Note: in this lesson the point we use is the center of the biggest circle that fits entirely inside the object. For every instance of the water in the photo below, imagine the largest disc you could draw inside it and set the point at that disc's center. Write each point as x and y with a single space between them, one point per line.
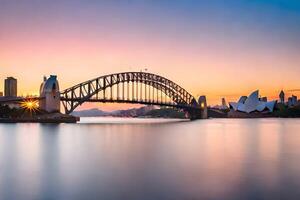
151 159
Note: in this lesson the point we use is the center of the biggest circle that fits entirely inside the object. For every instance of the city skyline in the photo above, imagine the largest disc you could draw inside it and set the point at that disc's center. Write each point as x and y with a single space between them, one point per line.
213 48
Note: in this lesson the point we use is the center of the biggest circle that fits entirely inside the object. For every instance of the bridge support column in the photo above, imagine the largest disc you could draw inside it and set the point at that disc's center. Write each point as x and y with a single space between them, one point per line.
49 92
203 105
194 114
198 109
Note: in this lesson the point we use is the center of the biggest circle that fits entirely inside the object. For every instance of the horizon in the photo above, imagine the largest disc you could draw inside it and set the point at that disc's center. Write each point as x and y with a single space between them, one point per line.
211 48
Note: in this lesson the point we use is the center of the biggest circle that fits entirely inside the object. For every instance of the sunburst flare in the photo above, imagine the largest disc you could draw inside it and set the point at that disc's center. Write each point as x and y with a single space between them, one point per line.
30 105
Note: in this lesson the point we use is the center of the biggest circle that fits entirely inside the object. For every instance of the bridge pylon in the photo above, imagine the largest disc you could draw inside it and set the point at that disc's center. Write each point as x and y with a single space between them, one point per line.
50 95
203 107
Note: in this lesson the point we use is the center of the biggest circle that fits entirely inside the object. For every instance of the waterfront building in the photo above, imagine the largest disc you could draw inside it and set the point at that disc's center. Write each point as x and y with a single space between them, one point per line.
252 103
242 99
292 101
281 96
10 87
224 104
264 99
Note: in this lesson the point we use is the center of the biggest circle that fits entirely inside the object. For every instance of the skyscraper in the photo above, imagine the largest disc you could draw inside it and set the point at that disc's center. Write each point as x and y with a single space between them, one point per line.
10 87
224 104
281 96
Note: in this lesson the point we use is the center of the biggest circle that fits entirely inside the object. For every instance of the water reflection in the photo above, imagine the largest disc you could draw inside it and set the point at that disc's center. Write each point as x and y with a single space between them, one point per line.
208 159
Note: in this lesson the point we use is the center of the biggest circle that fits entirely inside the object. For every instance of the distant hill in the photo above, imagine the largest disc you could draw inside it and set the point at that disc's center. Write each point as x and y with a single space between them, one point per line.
146 111
95 112
165 113
134 112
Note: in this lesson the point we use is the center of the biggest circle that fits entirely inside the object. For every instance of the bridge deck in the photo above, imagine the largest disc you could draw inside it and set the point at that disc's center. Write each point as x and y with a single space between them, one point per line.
18 99
152 102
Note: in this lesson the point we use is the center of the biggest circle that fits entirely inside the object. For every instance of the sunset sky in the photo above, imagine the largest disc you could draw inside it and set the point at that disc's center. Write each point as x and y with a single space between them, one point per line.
220 48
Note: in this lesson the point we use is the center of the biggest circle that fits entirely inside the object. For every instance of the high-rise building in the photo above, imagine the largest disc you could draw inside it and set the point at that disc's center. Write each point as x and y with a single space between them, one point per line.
224 104
281 97
290 102
10 87
294 100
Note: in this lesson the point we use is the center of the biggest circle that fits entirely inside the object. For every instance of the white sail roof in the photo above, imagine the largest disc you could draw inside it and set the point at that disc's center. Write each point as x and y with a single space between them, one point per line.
252 103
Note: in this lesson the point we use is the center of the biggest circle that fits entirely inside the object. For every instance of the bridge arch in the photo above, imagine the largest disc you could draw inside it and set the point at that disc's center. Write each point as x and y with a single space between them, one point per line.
130 87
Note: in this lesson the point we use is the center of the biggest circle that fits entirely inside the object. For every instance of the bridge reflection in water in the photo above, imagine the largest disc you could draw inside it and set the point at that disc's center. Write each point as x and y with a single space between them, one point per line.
132 87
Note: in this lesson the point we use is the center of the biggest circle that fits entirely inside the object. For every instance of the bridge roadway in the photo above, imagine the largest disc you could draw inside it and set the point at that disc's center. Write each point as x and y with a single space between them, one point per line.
158 103
18 99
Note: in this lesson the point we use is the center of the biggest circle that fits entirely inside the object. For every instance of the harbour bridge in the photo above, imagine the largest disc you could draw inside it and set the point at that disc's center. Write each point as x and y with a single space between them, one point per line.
126 87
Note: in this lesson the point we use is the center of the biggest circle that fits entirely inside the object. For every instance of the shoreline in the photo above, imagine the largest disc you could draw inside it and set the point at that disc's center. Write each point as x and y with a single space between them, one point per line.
47 118
33 120
62 118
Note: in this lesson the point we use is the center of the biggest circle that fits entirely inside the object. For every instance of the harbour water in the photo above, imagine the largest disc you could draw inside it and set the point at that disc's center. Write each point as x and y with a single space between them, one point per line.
111 158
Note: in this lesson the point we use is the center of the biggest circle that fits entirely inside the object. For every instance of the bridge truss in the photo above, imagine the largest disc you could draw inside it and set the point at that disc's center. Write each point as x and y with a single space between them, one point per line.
130 87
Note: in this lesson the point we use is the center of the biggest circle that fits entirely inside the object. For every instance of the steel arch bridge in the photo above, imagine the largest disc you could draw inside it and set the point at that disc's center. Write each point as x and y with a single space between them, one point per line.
131 87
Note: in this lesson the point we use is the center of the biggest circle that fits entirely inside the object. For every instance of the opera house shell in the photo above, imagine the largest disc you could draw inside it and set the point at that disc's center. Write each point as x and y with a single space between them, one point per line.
252 103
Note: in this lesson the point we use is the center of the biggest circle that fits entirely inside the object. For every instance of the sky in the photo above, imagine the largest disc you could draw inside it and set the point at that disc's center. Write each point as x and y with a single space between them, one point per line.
217 48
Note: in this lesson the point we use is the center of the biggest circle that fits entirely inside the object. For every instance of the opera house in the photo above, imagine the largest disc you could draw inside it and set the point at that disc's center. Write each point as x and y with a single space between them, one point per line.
253 103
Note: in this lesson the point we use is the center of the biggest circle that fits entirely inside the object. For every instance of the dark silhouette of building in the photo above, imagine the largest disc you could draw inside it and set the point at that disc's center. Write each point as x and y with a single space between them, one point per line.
281 97
10 87
224 104
292 101
264 99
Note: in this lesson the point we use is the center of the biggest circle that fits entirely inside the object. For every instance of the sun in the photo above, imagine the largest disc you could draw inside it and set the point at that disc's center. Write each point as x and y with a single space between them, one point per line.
30 105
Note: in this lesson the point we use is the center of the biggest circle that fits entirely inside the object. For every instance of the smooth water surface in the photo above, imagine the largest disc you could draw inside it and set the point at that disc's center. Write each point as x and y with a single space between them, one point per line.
151 159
